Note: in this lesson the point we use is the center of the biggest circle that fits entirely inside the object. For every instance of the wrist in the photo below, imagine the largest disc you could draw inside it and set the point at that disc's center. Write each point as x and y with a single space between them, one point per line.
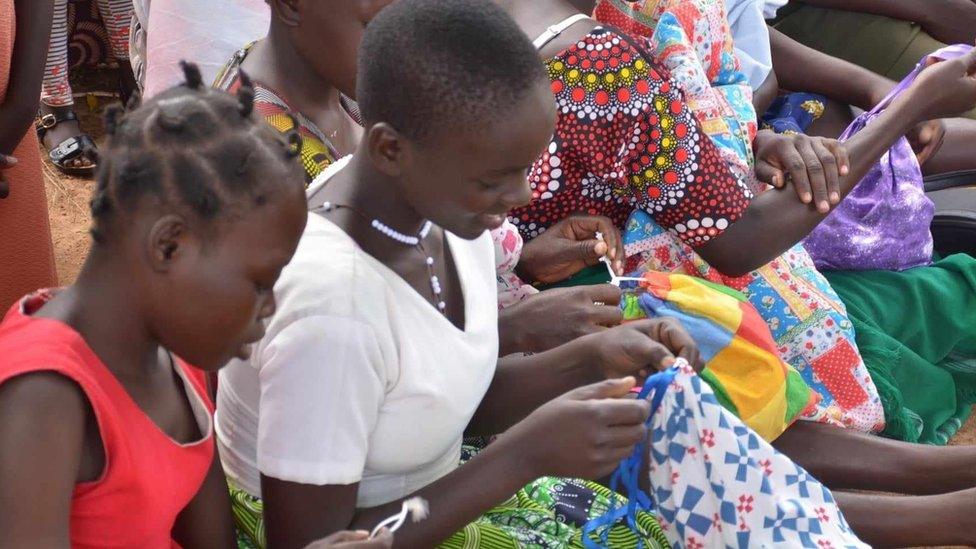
584 359
511 334
515 458
525 268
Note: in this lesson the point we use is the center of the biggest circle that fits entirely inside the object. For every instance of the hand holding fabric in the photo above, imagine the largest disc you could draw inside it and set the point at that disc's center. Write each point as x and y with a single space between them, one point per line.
945 88
583 433
643 347
554 317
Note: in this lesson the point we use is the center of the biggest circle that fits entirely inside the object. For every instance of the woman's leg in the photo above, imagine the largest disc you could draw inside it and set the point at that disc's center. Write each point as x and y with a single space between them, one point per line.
847 460
117 18
900 521
956 153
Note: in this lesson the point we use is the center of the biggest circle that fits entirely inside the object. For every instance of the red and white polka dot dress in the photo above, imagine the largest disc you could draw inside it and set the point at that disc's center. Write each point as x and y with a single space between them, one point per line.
625 139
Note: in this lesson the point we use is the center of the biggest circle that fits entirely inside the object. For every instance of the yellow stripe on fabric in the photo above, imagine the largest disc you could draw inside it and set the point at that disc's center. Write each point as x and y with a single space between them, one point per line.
759 390
692 297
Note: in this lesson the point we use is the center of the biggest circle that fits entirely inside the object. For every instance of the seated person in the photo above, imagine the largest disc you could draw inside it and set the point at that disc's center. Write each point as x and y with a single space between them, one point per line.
828 363
383 350
330 126
927 348
883 36
106 429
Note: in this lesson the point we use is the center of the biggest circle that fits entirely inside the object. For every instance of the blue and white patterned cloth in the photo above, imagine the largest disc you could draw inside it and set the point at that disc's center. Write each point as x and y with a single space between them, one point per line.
716 484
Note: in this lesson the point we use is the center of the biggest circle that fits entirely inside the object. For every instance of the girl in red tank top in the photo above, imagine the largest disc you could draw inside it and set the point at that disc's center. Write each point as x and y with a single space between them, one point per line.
106 437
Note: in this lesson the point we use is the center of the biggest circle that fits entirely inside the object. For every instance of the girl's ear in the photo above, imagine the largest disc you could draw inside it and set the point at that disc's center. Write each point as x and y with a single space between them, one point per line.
286 11
386 149
168 241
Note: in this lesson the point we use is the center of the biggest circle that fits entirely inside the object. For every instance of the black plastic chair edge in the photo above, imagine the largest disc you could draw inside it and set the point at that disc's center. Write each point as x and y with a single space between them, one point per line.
950 180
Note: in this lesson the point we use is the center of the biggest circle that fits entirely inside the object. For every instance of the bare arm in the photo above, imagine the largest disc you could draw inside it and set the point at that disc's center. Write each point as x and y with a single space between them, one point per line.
907 10
775 220
207 521
296 514
590 428
26 71
763 97
522 383
42 429
800 68
950 21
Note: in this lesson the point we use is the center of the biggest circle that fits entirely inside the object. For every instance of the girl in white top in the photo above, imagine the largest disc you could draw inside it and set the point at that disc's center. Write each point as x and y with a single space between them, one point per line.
379 359
382 353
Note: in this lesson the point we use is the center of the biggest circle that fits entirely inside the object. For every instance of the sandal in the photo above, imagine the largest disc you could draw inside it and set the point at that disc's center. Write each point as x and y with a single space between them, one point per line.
69 149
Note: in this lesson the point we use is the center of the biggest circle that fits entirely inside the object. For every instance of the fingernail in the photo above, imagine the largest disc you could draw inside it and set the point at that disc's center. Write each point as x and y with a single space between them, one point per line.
844 170
835 197
806 198
824 207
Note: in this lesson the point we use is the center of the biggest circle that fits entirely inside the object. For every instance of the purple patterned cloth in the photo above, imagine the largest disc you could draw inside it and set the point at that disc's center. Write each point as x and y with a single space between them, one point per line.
884 222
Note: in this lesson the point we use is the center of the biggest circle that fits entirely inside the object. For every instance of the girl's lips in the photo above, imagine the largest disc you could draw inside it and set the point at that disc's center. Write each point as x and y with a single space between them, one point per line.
492 221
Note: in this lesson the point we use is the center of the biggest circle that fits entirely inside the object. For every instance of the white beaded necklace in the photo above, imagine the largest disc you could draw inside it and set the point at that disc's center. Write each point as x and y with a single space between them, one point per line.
416 241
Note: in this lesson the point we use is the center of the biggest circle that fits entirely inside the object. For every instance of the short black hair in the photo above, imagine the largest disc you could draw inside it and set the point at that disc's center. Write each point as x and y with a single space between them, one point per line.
193 147
430 64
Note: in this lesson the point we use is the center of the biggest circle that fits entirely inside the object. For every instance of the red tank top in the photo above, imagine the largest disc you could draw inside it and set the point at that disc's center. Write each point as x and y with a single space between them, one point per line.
148 477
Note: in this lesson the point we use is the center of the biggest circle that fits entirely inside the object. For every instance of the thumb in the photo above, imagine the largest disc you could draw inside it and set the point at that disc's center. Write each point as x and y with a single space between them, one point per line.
7 161
769 174
587 251
608 388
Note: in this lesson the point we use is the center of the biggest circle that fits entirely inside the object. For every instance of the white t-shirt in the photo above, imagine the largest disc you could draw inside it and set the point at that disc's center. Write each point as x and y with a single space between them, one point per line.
359 378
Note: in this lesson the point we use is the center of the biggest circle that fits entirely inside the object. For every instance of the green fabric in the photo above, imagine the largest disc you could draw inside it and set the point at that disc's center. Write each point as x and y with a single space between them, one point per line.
597 274
917 333
886 46
531 519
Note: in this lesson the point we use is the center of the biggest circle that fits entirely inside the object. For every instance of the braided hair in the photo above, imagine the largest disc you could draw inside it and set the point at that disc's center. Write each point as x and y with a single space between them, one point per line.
192 148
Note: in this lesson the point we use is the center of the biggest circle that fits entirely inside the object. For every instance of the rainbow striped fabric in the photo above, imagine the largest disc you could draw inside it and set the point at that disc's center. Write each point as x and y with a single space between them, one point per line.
741 364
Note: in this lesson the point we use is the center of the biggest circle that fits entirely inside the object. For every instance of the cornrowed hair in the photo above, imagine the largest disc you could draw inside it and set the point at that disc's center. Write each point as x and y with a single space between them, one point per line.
195 149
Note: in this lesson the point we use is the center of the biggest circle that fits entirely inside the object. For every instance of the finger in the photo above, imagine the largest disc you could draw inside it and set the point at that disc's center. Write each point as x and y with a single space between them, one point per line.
648 352
797 169
587 251
7 161
672 335
831 171
608 388
841 157
816 175
605 315
347 535
621 412
624 435
769 174
607 294
615 244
